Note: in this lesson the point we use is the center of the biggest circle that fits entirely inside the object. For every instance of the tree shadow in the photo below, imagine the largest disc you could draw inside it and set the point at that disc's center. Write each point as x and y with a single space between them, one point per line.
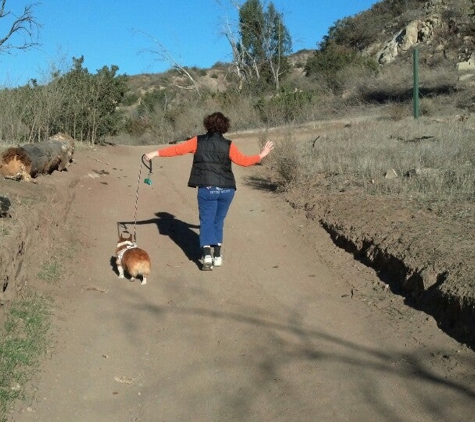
289 341
180 232
386 96
260 183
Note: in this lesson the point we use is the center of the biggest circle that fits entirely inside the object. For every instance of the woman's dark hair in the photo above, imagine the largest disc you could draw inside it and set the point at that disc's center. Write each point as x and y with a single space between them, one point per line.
216 123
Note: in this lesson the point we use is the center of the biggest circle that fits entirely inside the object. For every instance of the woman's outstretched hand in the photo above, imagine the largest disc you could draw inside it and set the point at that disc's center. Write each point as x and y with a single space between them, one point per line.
151 155
266 149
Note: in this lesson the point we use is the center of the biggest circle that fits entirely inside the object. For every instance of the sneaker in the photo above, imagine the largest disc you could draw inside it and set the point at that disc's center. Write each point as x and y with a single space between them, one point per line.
218 261
207 263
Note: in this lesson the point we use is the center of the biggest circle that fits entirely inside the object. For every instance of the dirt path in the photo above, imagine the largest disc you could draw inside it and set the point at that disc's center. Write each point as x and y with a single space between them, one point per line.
290 328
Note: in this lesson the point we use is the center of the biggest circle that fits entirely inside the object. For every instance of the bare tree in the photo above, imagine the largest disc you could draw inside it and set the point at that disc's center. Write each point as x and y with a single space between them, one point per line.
244 64
21 27
239 54
277 43
164 55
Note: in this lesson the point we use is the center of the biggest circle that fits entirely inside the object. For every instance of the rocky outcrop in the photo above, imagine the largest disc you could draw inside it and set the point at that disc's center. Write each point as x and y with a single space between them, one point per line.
467 65
416 32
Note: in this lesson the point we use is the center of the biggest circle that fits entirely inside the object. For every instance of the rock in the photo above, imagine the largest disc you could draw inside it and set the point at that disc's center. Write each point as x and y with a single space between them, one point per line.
414 33
466 77
466 65
4 207
391 174
422 172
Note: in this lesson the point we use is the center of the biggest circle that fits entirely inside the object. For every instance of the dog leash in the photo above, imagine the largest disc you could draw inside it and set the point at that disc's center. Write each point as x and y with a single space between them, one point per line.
148 181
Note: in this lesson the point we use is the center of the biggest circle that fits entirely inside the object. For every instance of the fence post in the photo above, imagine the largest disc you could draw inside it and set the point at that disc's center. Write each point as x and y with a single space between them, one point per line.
415 89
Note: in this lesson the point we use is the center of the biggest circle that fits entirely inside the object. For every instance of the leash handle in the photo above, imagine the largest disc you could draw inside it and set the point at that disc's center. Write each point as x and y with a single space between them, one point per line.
147 164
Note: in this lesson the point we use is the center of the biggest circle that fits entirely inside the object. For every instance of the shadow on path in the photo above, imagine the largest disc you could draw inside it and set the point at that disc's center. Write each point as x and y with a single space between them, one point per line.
260 183
180 232
288 341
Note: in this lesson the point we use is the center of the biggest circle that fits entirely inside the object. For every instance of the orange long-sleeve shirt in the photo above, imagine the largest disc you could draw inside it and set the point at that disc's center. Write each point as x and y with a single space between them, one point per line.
189 147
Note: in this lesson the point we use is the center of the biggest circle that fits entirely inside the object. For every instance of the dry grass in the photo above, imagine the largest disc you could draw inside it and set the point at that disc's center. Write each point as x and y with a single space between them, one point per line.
423 158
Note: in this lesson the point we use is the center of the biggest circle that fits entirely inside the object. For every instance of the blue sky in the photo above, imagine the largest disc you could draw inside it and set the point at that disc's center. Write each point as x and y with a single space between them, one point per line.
120 32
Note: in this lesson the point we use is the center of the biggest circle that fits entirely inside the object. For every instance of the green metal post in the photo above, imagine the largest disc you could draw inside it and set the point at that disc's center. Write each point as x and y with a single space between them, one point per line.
415 90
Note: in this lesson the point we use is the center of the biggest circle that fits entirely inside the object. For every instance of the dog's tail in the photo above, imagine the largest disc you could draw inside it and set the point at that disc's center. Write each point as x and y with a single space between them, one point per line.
143 268
141 264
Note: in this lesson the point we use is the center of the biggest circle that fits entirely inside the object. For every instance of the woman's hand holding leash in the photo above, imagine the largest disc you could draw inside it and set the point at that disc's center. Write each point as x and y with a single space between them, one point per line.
151 155
148 164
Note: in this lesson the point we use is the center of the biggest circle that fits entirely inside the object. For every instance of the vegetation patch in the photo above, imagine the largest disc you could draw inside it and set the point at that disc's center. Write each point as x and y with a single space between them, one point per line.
24 340
50 271
406 158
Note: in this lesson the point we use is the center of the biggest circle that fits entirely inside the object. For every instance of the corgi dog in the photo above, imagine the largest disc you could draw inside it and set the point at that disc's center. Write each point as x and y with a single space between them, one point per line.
131 259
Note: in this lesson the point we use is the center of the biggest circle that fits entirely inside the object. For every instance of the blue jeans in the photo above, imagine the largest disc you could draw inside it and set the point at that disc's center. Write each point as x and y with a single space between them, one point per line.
213 205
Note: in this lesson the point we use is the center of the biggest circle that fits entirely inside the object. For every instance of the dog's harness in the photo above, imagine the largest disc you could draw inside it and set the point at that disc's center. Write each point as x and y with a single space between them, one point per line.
129 245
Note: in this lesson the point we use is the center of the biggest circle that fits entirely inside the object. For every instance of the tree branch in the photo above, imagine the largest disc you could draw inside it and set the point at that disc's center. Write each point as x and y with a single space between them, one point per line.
165 55
25 23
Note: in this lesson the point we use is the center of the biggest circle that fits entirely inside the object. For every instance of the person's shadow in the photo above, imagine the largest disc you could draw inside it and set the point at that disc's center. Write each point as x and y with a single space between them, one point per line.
178 231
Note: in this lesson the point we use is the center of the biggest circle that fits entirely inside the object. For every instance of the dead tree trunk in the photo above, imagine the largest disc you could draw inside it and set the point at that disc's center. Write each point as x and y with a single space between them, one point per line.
30 160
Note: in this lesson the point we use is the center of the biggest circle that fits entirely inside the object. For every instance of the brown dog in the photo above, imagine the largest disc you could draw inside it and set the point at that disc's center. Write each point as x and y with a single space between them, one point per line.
132 260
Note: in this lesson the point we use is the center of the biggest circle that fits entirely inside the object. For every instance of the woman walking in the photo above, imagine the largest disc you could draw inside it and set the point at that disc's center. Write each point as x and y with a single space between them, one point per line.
212 175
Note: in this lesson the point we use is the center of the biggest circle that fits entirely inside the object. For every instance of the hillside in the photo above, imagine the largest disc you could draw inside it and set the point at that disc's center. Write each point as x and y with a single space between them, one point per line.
441 30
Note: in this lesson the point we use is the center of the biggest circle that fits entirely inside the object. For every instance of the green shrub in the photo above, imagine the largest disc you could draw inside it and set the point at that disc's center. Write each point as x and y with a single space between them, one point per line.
136 127
152 100
77 103
130 99
284 107
327 65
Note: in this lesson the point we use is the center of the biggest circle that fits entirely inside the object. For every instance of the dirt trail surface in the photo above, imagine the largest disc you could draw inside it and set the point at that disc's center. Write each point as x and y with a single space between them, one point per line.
291 328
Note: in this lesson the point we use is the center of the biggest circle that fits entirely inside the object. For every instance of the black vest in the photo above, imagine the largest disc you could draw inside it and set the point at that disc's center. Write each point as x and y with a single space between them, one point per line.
211 163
